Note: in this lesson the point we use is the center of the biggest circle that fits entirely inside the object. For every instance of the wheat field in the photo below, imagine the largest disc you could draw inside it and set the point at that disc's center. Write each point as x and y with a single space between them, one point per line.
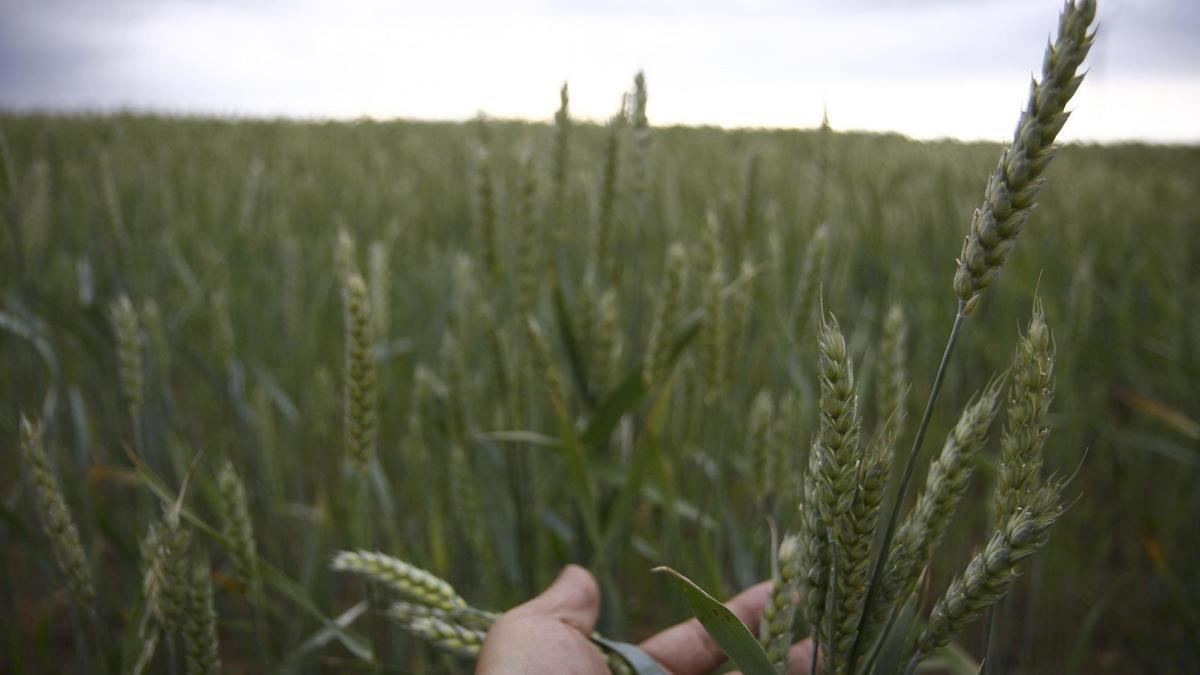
559 342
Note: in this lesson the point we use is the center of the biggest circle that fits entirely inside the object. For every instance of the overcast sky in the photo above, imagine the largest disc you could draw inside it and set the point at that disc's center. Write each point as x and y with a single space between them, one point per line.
927 68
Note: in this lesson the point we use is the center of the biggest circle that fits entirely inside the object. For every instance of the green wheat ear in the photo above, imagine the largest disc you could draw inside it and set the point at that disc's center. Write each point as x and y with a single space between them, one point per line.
360 396
993 570
408 580
130 365
1012 191
1025 431
238 528
56 518
200 623
170 567
667 313
775 628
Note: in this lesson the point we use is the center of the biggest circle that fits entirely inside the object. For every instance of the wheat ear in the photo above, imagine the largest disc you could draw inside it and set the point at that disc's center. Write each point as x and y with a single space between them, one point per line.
762 453
893 373
408 580
200 623
1012 191
992 571
854 545
238 528
170 568
55 516
1025 431
839 428
360 376
658 344
775 628
130 367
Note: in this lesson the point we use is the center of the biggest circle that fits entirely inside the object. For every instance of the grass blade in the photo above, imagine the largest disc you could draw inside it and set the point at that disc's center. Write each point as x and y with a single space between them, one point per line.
724 627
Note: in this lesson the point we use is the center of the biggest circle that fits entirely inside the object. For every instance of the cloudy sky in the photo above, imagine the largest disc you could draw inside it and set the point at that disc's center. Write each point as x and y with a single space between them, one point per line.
927 68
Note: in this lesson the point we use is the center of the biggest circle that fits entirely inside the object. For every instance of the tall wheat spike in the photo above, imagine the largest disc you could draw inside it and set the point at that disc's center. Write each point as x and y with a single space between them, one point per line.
360 393
1012 191
1025 431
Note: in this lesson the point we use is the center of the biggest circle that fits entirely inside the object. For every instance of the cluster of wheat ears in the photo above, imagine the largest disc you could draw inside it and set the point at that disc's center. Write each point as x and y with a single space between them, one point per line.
847 577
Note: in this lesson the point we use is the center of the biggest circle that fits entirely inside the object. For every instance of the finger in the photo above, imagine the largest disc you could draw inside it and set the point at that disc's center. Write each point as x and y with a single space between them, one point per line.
799 659
573 598
688 649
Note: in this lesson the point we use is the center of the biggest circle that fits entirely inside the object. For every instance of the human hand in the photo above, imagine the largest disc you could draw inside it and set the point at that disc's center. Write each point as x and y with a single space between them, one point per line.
549 634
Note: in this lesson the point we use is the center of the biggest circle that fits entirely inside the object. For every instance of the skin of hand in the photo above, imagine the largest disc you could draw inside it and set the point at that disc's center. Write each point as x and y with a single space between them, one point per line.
549 633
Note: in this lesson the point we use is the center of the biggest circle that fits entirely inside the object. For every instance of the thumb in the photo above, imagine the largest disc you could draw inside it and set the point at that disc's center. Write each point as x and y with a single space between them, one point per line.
573 598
